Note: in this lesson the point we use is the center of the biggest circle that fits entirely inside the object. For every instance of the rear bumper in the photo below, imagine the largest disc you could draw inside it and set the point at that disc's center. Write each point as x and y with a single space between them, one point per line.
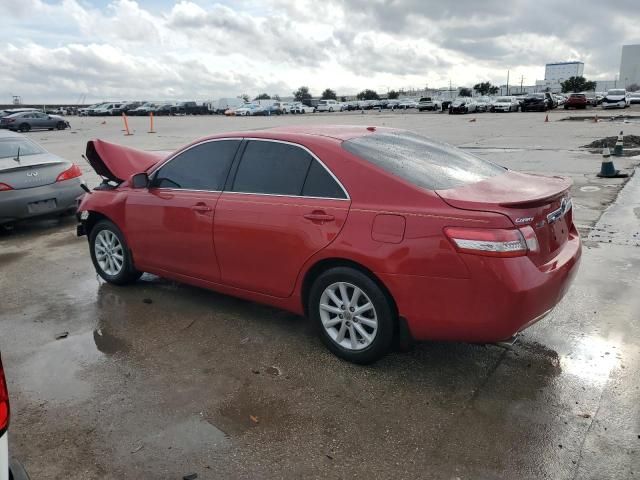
14 204
500 298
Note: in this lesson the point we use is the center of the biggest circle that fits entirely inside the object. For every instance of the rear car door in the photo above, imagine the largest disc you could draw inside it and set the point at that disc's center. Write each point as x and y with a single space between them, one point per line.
169 226
282 205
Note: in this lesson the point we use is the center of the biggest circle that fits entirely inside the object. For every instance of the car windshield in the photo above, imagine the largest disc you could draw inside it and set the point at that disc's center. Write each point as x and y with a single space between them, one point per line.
9 147
616 92
536 95
422 161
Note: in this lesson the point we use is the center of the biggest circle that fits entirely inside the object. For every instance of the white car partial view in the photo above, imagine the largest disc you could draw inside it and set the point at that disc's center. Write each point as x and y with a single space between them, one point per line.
299 107
404 104
329 106
505 104
10 469
616 98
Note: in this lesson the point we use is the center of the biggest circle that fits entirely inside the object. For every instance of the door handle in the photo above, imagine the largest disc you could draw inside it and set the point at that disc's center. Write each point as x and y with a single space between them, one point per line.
319 216
201 208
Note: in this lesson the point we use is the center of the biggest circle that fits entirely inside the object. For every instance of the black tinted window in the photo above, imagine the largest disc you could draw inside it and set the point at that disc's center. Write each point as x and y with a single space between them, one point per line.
422 161
320 183
203 167
272 167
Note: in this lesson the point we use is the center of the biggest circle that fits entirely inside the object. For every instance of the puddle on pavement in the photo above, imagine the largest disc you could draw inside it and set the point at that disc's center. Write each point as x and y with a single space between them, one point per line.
52 373
592 359
6 258
109 344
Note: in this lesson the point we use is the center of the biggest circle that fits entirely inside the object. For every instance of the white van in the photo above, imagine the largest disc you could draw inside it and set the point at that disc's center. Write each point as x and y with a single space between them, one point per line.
225 104
329 106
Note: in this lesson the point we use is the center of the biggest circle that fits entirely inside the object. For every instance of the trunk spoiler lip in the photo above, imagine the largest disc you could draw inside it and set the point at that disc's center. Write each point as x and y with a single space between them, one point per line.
525 189
118 162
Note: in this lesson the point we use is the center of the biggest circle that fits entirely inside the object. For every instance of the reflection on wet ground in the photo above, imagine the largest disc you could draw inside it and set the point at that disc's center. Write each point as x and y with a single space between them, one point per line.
158 379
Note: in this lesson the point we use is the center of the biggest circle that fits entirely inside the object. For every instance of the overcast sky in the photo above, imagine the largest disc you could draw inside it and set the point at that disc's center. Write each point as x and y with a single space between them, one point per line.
58 50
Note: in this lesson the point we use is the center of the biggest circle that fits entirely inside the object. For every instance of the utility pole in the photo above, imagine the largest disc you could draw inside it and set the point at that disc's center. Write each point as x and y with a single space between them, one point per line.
507 83
521 81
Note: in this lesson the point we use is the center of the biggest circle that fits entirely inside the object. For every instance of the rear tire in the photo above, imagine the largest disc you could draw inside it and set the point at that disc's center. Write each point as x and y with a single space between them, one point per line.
343 291
25 127
110 254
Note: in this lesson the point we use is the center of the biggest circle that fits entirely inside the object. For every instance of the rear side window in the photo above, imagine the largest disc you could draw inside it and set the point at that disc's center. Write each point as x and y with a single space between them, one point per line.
273 168
202 167
320 183
421 161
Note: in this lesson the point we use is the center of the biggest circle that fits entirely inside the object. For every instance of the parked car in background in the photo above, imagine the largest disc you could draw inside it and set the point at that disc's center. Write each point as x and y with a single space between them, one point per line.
246 110
225 104
505 104
391 104
616 98
535 102
144 109
429 104
329 106
12 111
283 107
463 105
34 182
299 107
591 98
344 257
106 109
576 100
84 111
27 121
634 97
10 468
188 108
164 109
407 103
483 104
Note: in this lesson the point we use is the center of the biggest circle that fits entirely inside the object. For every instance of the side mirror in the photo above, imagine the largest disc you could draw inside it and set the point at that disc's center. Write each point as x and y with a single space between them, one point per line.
139 180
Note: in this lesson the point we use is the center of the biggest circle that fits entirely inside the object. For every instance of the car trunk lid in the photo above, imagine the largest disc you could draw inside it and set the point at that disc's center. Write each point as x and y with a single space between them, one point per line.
534 203
117 162
31 171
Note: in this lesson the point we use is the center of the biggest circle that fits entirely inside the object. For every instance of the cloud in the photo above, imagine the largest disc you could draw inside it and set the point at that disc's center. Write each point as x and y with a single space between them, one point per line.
116 49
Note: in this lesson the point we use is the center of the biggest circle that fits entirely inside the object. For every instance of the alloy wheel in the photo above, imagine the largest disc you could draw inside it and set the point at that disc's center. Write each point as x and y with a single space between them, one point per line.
109 252
348 316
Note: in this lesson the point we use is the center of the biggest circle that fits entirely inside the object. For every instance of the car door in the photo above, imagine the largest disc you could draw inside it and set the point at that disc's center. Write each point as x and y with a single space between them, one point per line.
280 208
169 225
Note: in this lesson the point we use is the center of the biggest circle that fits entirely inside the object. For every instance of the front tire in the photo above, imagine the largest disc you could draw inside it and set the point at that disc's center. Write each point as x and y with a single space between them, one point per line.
110 254
354 316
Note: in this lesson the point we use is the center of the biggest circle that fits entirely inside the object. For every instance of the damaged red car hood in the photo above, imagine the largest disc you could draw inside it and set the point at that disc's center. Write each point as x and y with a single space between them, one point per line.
117 162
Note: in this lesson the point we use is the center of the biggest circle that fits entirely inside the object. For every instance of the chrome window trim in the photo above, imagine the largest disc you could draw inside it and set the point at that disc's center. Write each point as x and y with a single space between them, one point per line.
313 155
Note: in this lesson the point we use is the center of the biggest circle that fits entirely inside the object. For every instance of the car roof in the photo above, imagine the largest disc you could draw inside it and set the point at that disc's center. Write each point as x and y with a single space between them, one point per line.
301 133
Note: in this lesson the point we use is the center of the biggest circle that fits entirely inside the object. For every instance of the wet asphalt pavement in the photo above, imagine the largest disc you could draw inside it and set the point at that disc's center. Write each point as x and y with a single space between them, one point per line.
158 380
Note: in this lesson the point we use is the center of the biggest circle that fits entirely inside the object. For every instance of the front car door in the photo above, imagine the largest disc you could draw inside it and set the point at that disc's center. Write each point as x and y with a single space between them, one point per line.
282 206
170 224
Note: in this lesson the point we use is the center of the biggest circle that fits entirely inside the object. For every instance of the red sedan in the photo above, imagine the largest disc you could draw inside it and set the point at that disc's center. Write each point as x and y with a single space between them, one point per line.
372 233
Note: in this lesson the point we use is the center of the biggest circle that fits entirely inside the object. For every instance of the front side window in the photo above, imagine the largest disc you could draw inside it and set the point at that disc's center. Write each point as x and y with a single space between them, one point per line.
202 167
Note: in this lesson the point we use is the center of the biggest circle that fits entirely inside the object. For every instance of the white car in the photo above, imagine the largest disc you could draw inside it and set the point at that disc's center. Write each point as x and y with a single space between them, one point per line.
246 110
505 104
616 98
299 107
284 107
9 469
634 97
329 106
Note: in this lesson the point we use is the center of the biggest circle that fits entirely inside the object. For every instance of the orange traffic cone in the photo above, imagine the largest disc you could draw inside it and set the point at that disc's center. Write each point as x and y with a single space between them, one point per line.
546 119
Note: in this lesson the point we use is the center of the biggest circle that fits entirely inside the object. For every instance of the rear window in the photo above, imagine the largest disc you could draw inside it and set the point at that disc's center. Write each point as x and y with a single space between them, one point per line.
421 161
9 148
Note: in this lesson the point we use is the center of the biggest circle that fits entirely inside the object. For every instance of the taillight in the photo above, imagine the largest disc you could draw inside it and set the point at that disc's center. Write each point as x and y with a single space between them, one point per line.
4 187
72 172
4 402
488 242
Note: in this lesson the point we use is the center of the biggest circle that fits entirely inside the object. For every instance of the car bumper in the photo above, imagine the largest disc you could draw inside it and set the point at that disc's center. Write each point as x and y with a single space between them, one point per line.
613 105
500 298
18 204
501 109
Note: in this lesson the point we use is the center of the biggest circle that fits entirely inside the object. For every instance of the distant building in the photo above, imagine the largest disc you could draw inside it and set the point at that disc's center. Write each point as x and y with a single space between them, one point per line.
629 66
559 72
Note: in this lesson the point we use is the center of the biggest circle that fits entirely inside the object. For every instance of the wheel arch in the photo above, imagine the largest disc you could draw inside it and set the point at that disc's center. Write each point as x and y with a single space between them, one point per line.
325 264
